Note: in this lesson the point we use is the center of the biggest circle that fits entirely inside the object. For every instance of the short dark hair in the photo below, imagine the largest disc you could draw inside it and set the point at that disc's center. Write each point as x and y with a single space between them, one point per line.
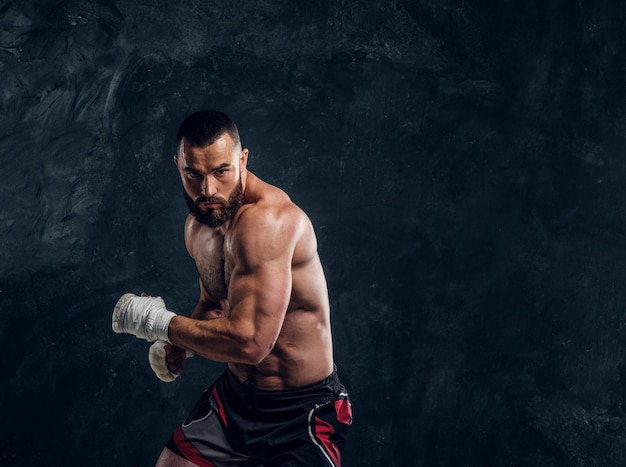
204 127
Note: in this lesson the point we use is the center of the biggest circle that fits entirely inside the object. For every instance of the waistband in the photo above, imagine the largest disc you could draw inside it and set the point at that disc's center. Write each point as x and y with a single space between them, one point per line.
330 380
330 384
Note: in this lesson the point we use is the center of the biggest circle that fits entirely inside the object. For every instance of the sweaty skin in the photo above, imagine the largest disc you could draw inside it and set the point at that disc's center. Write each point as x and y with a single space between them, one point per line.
263 304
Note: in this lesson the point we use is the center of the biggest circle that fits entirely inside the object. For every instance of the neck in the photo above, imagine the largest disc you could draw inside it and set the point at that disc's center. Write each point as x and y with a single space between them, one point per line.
248 182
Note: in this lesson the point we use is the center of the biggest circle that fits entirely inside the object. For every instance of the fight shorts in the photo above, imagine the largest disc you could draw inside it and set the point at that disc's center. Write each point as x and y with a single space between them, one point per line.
233 424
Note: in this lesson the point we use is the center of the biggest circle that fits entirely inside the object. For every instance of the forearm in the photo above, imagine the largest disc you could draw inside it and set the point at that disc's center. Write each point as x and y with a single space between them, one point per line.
222 339
246 336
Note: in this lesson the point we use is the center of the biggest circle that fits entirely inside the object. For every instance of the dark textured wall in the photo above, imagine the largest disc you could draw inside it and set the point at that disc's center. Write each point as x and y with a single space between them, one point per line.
463 163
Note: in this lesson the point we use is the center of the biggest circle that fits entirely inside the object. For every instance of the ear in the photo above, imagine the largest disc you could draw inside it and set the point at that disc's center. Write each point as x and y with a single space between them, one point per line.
176 160
243 160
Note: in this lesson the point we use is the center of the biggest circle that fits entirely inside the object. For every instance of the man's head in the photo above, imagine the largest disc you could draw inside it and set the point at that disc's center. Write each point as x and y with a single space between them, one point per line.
212 166
204 127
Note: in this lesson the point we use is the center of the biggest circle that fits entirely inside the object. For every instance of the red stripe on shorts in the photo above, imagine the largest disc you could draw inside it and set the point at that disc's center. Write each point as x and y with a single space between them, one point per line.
220 407
323 431
344 411
189 451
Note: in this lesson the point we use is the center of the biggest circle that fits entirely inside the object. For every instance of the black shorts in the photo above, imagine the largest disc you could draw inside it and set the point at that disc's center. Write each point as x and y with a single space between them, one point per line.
236 425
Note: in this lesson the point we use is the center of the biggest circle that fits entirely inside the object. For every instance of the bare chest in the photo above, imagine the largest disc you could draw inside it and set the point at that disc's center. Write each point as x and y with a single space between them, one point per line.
212 267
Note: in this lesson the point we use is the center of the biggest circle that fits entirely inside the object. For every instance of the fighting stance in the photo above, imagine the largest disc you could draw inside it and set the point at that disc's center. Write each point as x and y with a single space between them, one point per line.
263 309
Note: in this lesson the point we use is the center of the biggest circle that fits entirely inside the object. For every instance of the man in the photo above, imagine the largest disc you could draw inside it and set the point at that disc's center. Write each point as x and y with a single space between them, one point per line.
263 309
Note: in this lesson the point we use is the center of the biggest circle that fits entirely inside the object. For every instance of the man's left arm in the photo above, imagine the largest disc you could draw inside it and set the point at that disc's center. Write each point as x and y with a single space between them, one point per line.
259 292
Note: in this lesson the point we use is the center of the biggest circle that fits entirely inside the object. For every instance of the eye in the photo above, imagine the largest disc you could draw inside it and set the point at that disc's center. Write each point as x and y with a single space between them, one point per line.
193 175
220 172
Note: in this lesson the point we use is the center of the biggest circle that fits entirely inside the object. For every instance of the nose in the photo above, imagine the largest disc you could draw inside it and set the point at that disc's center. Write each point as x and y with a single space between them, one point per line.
208 187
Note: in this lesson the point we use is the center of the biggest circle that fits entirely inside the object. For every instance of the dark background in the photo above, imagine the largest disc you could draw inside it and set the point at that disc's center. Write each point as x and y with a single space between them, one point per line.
463 163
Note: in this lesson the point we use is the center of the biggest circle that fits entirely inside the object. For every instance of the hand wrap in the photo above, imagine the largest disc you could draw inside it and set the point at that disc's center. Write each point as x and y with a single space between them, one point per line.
156 357
144 317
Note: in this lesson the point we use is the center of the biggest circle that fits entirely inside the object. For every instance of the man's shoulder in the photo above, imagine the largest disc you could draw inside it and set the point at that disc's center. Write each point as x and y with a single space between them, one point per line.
271 211
269 203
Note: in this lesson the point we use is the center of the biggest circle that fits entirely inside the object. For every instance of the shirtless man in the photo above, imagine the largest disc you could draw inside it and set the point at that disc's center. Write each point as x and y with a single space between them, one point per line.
263 309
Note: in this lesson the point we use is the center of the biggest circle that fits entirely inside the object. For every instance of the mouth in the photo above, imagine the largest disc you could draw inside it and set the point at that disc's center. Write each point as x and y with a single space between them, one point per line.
206 203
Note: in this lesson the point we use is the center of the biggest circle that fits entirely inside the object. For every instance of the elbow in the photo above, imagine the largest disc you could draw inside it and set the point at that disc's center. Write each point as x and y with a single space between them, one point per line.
252 359
254 350
252 344
253 354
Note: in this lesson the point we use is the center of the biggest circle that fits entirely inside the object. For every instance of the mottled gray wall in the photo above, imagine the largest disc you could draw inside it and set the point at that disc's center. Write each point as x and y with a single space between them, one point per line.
463 163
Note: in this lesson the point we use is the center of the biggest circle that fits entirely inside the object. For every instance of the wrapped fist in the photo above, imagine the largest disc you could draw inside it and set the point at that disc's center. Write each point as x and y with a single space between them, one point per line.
144 317
158 360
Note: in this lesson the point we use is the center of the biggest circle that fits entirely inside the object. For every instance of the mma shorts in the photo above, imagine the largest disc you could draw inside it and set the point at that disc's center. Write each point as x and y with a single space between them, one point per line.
233 424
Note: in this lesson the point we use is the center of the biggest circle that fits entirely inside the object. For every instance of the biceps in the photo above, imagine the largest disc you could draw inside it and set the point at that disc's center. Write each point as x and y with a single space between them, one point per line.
260 298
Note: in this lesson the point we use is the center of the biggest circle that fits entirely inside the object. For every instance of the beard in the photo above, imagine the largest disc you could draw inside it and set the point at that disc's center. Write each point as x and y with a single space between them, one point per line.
216 216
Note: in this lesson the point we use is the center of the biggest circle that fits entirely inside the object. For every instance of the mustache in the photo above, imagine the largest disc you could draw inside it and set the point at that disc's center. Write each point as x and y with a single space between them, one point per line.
210 199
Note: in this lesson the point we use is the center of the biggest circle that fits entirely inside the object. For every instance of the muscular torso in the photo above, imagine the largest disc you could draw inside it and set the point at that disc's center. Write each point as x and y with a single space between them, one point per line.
302 353
209 257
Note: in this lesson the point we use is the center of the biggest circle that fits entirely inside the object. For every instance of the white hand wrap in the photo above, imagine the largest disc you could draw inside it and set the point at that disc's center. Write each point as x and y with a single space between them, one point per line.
156 357
144 317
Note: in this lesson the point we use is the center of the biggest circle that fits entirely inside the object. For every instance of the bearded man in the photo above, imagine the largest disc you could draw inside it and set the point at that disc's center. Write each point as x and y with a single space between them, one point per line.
263 309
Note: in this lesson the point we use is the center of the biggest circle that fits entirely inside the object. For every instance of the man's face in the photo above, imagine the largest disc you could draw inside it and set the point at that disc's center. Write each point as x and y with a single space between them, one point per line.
212 179
221 212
